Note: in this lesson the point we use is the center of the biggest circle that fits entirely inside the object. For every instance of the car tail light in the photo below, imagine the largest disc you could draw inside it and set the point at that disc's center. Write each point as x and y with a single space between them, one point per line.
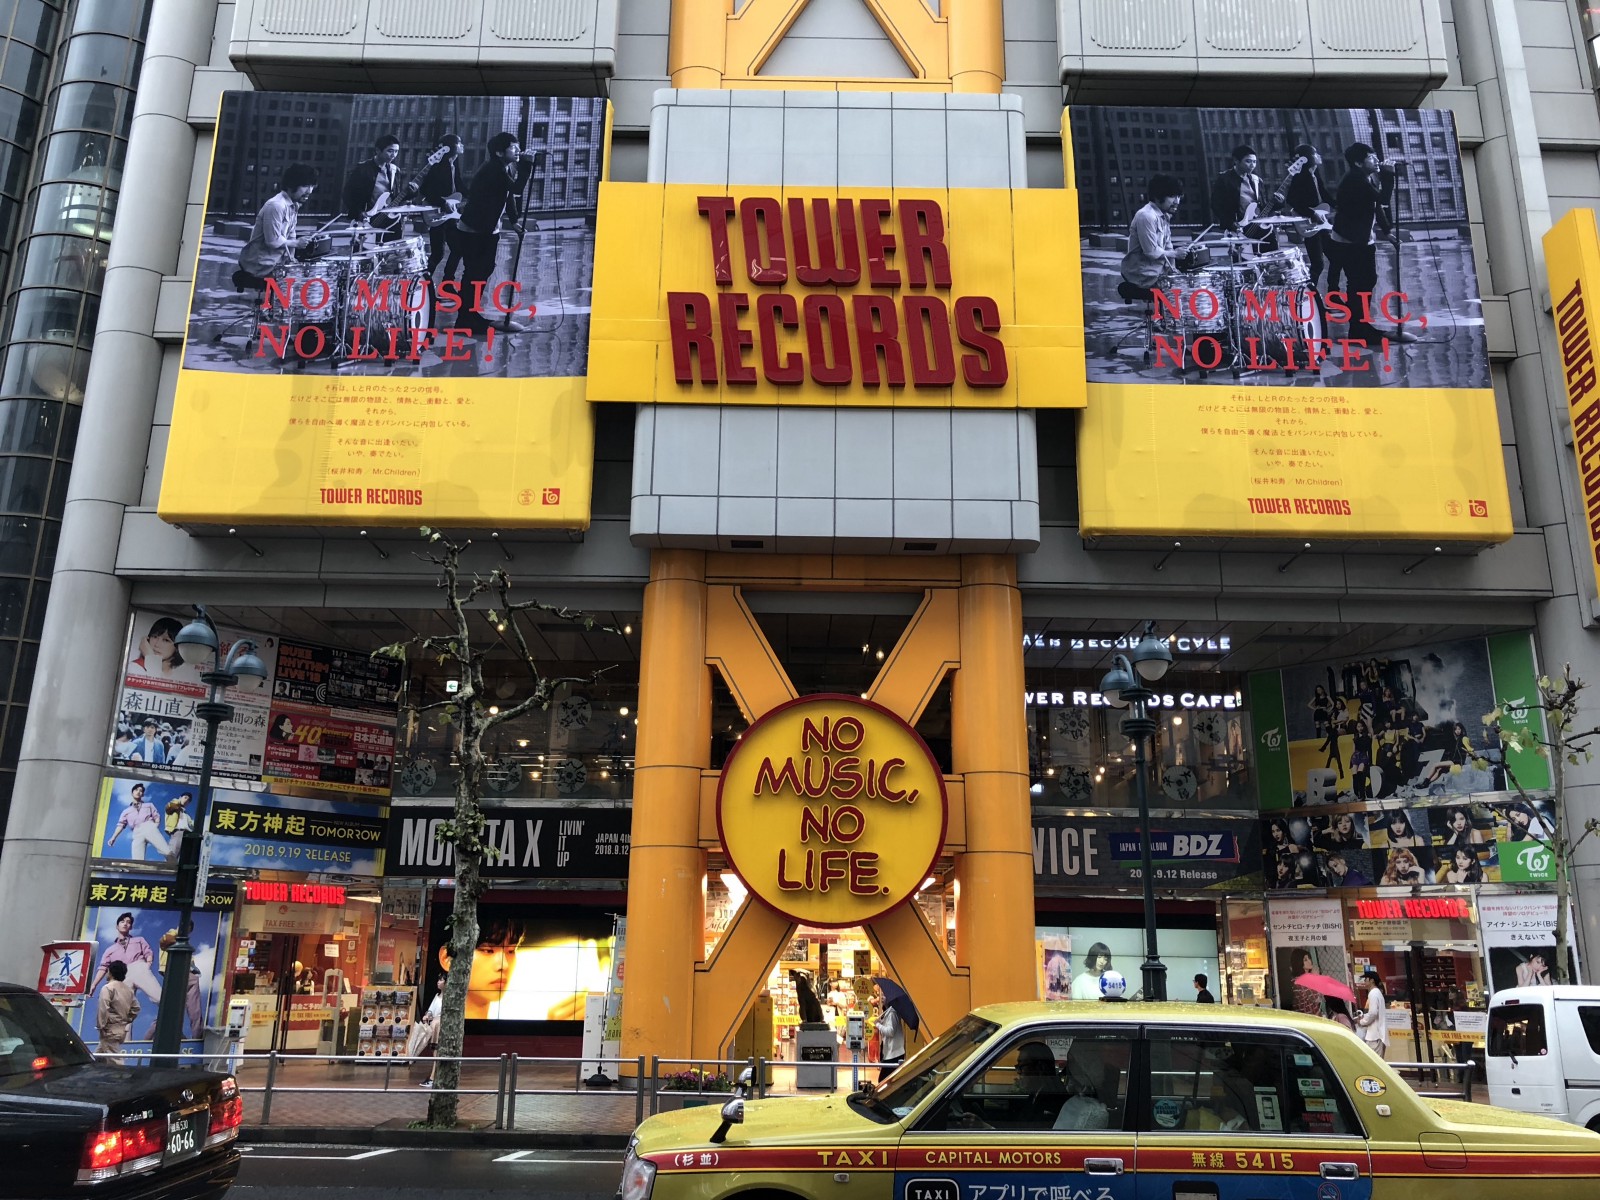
122 1151
227 1114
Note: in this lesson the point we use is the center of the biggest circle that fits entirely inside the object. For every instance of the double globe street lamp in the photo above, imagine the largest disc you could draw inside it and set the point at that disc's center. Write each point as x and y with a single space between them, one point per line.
1124 686
199 644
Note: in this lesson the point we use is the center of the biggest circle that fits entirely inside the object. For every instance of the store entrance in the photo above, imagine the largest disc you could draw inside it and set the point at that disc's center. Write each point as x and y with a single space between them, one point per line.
1435 995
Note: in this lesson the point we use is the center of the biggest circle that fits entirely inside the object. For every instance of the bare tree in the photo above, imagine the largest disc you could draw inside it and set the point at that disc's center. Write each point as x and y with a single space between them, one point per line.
473 635
1564 744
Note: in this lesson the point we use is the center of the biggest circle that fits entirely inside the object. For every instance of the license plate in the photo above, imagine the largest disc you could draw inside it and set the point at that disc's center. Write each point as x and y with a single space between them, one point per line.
186 1134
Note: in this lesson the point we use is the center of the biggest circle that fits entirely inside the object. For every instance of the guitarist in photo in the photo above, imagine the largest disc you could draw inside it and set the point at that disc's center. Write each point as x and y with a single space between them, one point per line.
1238 195
441 187
368 187
1307 196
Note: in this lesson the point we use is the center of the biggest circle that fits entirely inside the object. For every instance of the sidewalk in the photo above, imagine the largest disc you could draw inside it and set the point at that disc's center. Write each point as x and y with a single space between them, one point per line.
366 1102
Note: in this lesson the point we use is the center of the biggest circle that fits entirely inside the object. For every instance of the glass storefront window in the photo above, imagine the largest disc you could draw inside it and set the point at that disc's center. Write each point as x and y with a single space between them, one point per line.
1079 756
580 748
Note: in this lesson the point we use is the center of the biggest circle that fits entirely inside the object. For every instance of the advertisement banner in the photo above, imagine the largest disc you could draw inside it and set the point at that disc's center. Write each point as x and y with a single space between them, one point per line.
332 722
263 830
935 298
1307 936
132 921
532 842
156 726
1519 939
1235 388
1201 852
1572 260
390 316
143 820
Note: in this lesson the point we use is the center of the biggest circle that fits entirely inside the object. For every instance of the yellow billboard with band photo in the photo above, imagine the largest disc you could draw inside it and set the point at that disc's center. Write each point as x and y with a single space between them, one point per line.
959 297
390 316
1284 336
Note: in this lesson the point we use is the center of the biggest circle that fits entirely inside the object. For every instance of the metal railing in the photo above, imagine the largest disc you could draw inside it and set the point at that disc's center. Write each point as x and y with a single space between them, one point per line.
1456 1091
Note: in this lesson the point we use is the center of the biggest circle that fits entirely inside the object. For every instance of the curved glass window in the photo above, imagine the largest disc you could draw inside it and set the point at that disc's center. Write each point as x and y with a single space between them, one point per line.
110 16
25 69
35 22
64 262
19 118
19 538
97 56
72 208
13 168
47 314
87 106
24 483
86 155
29 427
47 370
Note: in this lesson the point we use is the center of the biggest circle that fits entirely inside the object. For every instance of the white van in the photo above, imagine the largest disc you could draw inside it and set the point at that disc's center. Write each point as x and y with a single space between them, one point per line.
1544 1052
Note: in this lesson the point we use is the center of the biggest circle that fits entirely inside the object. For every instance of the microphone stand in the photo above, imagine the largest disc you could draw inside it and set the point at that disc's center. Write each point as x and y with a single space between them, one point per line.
524 220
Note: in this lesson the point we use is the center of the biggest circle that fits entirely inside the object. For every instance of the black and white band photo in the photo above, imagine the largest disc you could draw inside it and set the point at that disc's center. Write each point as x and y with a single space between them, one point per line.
399 235
1273 247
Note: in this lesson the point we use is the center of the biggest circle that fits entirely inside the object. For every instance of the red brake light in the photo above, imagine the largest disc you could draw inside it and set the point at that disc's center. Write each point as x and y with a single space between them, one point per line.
111 1152
227 1114
40 1063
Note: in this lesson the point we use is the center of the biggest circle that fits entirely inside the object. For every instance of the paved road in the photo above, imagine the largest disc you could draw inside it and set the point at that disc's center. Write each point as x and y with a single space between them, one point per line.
362 1173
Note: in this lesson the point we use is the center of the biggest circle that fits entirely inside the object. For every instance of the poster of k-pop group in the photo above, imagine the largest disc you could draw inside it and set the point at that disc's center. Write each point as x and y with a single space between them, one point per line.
1406 845
133 921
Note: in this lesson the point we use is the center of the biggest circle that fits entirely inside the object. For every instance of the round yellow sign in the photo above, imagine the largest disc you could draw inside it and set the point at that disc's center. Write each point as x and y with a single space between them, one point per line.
832 810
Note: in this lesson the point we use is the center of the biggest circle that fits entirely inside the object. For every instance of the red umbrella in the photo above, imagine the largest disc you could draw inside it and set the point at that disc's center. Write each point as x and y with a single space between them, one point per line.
1325 985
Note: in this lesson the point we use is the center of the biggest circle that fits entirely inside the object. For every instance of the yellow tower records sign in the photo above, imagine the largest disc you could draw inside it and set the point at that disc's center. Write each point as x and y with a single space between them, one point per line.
832 810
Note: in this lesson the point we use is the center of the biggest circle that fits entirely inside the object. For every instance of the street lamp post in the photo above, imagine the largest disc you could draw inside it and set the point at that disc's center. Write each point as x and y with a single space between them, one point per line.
1124 686
199 642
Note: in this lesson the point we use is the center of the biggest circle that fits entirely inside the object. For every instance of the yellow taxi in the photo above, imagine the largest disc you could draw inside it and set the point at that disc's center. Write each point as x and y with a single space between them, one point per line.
1118 1102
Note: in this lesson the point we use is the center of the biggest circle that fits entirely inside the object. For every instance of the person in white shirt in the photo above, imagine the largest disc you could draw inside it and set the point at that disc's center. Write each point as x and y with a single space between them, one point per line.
272 237
1373 1022
1150 253
891 1034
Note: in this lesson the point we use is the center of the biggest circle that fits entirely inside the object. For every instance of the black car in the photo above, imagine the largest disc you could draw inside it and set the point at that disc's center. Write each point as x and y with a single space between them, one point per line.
71 1126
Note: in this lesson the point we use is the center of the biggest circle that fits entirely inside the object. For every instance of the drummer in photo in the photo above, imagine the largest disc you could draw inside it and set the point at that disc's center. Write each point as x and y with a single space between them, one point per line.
1151 255
272 237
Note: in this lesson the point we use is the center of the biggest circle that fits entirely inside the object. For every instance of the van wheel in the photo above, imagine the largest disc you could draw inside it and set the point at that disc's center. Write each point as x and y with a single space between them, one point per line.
1594 1125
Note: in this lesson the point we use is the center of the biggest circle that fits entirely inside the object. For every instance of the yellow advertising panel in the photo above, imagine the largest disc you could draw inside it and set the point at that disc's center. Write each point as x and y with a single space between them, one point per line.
1572 259
832 810
309 449
390 316
1283 331
875 297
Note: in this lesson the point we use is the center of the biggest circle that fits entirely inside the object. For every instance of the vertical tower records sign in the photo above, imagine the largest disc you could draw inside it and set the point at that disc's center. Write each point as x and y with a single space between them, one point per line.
832 810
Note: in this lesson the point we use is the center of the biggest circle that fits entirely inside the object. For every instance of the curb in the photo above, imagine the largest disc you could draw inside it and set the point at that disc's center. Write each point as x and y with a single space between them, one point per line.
400 1134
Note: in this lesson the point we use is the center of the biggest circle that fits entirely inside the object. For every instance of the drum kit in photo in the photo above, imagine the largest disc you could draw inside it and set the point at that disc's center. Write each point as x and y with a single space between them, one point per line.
372 296
1233 304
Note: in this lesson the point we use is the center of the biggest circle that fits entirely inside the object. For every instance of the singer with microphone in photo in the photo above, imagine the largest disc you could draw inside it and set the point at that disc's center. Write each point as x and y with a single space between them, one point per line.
1361 215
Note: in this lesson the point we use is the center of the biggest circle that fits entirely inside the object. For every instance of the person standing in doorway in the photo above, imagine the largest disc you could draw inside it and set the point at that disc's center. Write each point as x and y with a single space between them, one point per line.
1202 993
117 1010
1374 1021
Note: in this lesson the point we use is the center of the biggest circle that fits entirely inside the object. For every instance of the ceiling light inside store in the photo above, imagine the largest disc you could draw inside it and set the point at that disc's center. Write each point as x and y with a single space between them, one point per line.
1177 720
928 883
627 629
623 710
494 710
522 743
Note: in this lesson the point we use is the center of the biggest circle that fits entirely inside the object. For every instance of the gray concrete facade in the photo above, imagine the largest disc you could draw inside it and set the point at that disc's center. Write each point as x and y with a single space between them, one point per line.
1514 72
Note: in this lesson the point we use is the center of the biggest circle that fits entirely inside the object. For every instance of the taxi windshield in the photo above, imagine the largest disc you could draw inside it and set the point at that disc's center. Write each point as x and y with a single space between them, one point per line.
930 1067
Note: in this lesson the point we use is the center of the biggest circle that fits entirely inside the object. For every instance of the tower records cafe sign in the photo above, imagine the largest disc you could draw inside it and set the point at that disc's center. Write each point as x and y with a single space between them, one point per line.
831 810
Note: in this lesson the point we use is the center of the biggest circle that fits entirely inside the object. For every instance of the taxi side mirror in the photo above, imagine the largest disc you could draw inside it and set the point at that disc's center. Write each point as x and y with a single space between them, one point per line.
732 1114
